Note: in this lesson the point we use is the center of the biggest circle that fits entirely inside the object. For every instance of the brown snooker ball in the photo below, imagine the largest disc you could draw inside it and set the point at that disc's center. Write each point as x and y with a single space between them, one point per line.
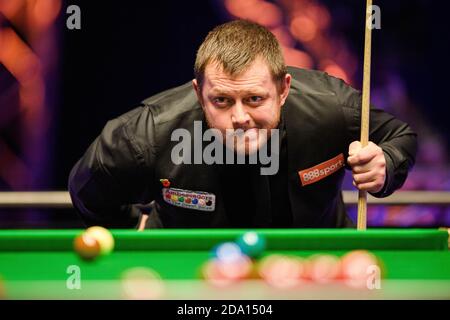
87 247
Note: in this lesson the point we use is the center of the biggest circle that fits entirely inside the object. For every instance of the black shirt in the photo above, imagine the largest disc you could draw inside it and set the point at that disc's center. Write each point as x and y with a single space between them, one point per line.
255 200
279 196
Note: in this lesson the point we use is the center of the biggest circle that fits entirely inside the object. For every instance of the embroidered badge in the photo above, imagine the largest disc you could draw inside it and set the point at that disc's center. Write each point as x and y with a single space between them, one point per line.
196 200
321 171
165 182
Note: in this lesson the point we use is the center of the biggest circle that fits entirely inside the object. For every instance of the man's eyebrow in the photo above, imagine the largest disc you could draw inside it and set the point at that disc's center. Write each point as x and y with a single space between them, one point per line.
258 91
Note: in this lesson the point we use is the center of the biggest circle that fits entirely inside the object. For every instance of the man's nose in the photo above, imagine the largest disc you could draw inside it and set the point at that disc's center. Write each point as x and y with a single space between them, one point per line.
239 115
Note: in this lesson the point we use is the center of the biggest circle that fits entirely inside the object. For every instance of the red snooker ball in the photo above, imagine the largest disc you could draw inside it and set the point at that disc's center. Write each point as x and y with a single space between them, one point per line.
357 266
323 268
211 272
281 272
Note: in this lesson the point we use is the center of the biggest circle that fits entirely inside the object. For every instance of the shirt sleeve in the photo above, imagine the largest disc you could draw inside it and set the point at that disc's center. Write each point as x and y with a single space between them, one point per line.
395 137
115 174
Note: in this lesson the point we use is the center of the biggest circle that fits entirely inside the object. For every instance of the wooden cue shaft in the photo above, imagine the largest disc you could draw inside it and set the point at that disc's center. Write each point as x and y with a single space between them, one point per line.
365 111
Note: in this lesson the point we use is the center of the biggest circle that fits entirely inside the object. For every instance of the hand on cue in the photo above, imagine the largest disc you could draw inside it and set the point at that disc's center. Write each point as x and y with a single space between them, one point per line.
368 166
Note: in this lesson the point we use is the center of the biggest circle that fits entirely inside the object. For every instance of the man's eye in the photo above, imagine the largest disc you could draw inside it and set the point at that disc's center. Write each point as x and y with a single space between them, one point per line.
255 99
221 101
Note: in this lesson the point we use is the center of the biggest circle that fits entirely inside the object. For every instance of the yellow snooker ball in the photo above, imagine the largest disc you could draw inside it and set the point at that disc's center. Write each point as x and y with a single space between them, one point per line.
103 237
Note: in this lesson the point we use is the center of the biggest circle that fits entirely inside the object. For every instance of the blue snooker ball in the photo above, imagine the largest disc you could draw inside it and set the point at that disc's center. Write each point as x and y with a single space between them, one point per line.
227 252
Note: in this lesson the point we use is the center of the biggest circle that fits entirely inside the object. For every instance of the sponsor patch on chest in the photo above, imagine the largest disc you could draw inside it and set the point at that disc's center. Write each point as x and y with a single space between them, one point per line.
196 200
321 171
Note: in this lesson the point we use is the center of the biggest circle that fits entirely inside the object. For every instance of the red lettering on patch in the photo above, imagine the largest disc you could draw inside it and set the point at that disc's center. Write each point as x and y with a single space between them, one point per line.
321 171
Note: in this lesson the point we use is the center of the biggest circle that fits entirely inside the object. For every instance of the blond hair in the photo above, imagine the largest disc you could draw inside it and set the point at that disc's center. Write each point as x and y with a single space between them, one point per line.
236 45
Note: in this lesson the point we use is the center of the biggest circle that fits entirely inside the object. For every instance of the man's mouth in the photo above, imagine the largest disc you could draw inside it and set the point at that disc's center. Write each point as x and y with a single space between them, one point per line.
248 132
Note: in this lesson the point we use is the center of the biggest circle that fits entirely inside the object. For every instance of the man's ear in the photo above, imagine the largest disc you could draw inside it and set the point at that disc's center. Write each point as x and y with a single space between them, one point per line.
197 90
286 87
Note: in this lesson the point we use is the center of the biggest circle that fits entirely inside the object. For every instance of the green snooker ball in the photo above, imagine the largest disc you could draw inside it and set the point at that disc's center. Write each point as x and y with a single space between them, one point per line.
252 244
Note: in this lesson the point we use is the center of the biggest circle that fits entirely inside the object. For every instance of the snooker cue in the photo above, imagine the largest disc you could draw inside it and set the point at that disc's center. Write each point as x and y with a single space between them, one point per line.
365 112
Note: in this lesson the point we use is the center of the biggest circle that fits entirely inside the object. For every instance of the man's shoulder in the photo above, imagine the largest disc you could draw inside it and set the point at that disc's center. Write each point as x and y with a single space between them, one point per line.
307 83
173 103
171 108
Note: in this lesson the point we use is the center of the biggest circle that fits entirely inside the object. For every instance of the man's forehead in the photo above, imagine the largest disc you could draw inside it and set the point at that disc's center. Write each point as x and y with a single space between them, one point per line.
232 91
255 77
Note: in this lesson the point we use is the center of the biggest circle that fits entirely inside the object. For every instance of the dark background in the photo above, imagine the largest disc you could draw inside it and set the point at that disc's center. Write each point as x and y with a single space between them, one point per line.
124 54
128 51
120 57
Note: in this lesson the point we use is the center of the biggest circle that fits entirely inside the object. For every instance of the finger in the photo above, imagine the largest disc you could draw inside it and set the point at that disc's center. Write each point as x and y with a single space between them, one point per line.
369 186
354 148
365 177
356 169
378 164
360 159
365 155
369 152
353 160
370 183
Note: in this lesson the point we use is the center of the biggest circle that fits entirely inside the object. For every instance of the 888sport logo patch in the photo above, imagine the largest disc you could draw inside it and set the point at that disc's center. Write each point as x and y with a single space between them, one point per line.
321 171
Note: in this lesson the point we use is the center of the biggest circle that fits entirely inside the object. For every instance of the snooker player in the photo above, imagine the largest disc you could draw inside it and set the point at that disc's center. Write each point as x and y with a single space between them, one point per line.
242 84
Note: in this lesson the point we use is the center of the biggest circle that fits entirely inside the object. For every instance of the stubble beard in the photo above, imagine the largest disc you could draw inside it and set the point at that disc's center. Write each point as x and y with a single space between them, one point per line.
242 145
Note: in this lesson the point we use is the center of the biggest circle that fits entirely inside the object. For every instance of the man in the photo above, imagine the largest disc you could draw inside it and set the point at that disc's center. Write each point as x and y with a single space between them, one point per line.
241 83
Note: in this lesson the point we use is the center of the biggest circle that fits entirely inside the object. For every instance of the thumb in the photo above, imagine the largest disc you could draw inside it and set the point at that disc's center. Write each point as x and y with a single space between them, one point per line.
354 148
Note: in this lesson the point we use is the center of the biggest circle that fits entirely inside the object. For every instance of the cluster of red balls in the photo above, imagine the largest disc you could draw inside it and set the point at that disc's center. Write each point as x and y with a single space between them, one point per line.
230 263
354 269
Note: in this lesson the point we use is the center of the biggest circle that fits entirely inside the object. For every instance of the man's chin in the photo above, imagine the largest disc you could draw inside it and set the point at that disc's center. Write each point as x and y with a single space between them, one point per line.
247 143
248 148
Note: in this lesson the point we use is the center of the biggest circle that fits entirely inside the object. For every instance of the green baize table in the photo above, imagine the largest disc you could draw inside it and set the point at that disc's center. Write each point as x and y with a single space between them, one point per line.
39 264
